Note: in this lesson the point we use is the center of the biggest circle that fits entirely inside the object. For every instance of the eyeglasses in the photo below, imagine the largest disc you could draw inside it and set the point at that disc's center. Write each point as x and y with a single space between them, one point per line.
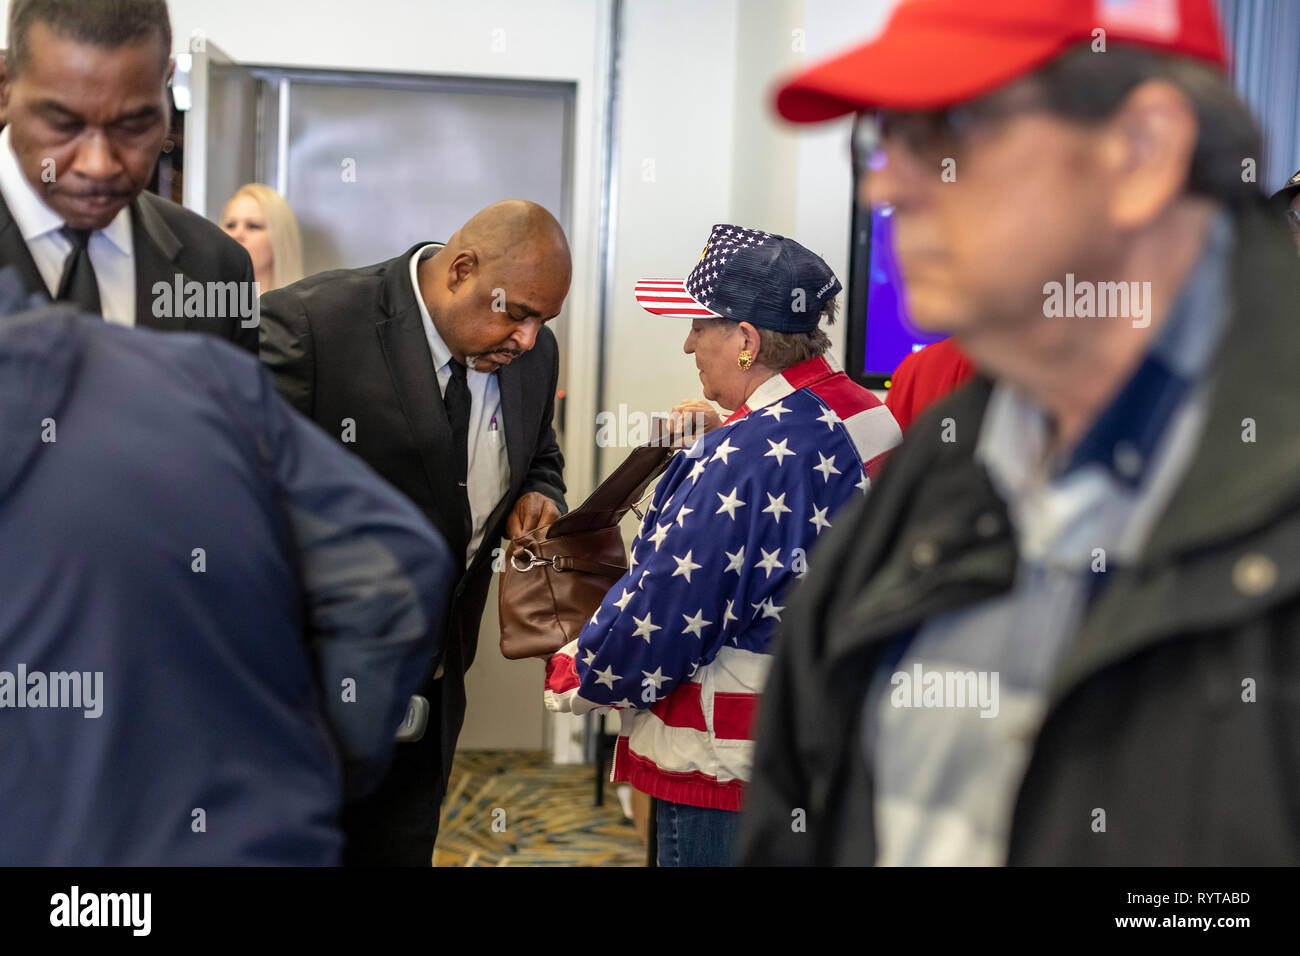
931 135
1293 219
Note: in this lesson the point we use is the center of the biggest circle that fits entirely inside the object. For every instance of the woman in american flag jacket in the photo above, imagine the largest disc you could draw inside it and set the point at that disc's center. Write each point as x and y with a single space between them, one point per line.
681 643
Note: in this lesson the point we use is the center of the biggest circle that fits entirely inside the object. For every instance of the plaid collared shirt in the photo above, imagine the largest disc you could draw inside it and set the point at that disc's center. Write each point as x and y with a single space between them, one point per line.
947 770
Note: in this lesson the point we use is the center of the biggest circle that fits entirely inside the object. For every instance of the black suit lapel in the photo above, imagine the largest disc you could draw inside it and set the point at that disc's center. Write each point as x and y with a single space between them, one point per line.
14 252
156 249
406 352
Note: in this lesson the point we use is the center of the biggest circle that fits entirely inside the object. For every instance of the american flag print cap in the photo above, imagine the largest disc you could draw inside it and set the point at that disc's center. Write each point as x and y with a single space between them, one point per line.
747 275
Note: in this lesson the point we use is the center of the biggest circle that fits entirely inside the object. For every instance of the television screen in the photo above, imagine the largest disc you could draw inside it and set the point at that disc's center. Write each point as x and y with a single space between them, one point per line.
880 332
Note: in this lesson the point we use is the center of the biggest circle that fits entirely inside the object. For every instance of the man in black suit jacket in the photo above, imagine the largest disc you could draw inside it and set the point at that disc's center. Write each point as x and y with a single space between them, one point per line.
84 93
423 387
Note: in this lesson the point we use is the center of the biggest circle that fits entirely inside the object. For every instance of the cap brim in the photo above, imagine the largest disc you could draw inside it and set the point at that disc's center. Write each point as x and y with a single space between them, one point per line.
921 68
669 298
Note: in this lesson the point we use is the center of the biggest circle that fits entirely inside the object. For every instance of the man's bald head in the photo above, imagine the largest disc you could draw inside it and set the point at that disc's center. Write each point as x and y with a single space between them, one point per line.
514 229
498 280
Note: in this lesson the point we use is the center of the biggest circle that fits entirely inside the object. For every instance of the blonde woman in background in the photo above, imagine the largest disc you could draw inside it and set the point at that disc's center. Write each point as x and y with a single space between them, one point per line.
260 220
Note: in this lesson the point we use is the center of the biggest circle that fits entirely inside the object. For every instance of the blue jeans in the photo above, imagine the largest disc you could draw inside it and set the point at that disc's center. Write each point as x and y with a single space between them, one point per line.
695 836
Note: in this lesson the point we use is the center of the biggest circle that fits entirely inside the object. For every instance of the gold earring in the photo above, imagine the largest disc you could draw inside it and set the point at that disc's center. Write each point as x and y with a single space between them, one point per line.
745 360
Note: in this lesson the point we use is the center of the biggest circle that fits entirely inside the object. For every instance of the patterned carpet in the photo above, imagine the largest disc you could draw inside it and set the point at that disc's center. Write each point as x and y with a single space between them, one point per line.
508 808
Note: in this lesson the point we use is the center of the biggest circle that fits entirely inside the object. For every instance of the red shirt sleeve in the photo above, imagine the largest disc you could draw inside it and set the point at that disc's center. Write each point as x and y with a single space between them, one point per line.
924 377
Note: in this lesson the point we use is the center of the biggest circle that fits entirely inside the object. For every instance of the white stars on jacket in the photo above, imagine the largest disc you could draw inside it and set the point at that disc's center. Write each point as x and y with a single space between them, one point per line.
771 561
729 615
724 451
695 623
779 451
826 466
730 503
685 566
727 534
776 506
818 520
661 532
645 627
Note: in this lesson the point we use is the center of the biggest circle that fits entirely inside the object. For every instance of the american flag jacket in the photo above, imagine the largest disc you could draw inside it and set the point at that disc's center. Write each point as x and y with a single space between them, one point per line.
680 643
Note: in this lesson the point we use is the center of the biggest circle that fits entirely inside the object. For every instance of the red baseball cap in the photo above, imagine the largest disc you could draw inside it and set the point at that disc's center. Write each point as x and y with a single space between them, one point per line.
934 53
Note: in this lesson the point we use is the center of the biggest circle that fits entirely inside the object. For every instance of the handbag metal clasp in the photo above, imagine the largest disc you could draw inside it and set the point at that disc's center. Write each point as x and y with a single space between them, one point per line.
654 486
533 560
642 500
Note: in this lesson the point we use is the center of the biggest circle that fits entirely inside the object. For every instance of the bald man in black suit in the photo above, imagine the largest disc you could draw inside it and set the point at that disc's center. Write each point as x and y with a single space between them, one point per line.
437 368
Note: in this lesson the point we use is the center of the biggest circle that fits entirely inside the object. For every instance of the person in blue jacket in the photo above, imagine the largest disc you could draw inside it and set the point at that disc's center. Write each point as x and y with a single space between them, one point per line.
211 615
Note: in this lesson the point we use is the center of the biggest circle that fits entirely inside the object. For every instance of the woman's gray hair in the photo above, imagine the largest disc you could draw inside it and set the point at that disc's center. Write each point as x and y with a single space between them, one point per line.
782 350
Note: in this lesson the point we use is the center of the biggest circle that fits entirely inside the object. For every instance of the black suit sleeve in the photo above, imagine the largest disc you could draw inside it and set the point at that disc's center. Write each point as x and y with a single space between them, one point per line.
246 337
286 348
546 470
778 788
783 820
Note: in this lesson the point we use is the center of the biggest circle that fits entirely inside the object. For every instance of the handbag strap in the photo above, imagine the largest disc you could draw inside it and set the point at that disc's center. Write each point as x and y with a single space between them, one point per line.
563 562
607 505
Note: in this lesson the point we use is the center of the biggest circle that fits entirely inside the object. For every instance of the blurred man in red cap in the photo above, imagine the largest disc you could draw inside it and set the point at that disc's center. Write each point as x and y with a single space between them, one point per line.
1062 627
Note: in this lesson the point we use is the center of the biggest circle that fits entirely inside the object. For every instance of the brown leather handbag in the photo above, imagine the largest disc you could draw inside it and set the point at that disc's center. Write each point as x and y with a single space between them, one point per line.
555 577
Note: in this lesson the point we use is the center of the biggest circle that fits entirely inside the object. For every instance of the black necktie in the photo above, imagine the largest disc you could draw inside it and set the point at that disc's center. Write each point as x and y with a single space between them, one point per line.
78 285
457 401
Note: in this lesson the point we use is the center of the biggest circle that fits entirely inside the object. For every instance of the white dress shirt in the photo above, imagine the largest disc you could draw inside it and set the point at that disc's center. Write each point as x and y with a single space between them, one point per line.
489 469
112 253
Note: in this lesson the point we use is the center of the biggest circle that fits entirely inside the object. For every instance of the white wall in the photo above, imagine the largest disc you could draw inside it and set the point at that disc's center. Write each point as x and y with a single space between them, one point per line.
676 89
823 179
765 149
699 144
